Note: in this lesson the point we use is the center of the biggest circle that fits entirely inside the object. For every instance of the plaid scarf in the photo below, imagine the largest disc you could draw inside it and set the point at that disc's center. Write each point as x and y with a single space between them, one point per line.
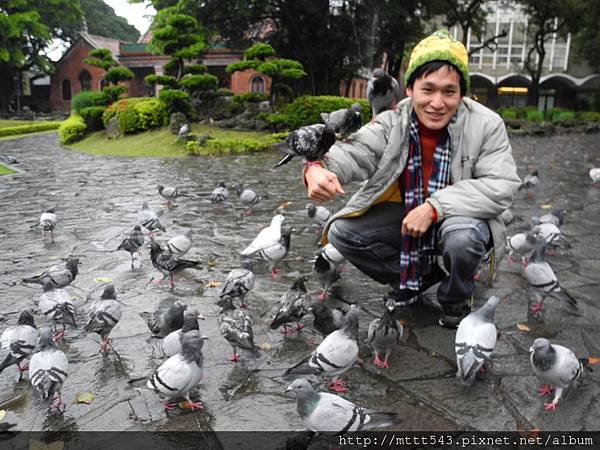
417 251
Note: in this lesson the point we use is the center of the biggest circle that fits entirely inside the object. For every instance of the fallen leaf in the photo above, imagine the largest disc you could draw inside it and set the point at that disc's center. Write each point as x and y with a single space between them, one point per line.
523 327
37 445
214 284
2 414
85 397
546 206
284 205
265 346
591 360
103 280
211 263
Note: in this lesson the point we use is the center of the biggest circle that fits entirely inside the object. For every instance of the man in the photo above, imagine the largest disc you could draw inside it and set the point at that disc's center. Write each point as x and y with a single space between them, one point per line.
437 172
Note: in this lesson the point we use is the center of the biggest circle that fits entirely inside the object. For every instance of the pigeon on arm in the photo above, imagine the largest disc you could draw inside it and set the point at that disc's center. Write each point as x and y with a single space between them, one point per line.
311 142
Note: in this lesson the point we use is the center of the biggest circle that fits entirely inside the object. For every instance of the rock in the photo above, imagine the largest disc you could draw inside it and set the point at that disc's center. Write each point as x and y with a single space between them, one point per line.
112 128
176 121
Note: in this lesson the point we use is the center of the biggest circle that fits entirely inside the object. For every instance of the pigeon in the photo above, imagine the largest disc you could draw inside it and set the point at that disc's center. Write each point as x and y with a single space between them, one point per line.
595 175
183 132
522 244
220 193
48 222
17 343
236 327
164 321
326 321
149 220
170 194
247 196
344 121
133 242
57 276
325 272
556 218
278 250
267 237
383 91
551 234
384 333
167 263
179 374
558 367
310 142
335 354
238 283
543 281
56 304
293 305
103 315
171 344
180 244
530 182
48 369
319 214
325 412
475 341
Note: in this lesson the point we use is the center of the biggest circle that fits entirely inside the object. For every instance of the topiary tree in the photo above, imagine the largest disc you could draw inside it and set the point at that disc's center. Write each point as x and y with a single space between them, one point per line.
115 74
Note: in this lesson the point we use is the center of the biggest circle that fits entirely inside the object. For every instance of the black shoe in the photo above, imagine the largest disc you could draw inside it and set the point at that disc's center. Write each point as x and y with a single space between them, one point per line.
407 297
453 314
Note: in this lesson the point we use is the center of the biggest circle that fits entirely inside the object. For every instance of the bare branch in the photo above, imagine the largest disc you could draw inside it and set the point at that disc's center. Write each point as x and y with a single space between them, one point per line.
490 43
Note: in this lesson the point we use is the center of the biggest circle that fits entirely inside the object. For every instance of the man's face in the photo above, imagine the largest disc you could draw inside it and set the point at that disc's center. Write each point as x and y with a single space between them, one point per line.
435 97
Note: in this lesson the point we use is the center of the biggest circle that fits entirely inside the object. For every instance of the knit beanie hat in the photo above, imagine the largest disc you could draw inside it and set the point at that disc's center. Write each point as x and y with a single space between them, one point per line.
440 46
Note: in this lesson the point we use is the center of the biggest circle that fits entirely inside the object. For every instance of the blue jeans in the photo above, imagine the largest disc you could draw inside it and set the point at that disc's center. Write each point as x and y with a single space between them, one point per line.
372 242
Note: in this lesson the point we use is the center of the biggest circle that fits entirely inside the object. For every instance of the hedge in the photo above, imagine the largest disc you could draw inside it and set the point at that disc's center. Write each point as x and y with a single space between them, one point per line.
137 114
92 115
232 145
250 97
72 129
306 110
31 128
86 99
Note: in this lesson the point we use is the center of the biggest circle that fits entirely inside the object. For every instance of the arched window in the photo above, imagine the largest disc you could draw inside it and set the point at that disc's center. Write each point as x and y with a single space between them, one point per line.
85 80
257 84
66 90
103 83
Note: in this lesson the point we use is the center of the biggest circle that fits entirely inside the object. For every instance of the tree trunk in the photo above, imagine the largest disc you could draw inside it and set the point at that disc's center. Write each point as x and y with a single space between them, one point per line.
7 87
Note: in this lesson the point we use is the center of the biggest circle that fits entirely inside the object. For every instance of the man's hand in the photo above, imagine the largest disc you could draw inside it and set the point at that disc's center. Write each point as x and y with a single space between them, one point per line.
322 184
417 222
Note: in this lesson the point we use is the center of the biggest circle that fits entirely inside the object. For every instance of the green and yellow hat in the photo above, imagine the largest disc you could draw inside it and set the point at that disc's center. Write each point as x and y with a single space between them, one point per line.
440 46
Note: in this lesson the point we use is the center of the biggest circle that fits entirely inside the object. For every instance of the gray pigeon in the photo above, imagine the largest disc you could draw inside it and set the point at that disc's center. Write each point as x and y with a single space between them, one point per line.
247 196
236 327
103 315
57 276
17 343
384 333
344 121
310 142
48 222
319 214
383 91
238 283
167 263
522 245
170 193
164 321
551 234
179 374
335 355
149 220
293 305
179 245
325 412
475 341
326 321
133 242
48 369
57 305
558 367
171 344
543 281
220 193
555 217
530 182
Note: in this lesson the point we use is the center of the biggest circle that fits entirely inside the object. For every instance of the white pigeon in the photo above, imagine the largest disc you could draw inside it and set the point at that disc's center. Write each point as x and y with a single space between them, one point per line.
558 367
180 244
475 341
522 245
595 175
48 221
48 369
184 130
267 237
17 343
57 305
171 344
149 220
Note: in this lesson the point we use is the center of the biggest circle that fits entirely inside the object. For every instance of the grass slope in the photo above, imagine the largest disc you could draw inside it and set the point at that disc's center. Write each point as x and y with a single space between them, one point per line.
5 170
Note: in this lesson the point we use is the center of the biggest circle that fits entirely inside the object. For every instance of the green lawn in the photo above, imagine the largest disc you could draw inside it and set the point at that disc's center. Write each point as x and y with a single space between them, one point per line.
5 170
14 123
159 143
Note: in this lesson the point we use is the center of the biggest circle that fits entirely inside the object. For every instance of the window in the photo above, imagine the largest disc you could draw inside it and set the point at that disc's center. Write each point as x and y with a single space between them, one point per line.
85 80
257 85
66 90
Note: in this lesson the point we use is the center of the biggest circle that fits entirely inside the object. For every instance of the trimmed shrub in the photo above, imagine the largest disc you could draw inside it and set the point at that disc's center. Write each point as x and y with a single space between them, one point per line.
231 145
165 80
225 92
114 92
30 128
250 97
136 114
129 121
195 69
590 116
86 99
72 129
176 100
306 110
152 114
205 82
92 115
534 115
259 51
117 74
508 113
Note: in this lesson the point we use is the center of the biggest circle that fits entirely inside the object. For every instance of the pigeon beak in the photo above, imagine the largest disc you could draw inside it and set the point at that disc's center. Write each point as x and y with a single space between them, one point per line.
201 317
204 338
531 349
289 388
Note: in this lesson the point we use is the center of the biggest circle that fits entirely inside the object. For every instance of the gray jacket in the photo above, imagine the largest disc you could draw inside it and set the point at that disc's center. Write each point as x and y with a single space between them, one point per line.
482 170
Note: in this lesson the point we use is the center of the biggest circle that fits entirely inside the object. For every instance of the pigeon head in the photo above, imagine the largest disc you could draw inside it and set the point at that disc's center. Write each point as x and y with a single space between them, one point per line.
137 228
160 188
489 308
226 302
356 107
191 346
239 188
351 321
48 285
72 264
277 220
541 345
50 210
222 184
311 209
145 204
321 265
247 264
543 354
109 293
26 319
301 388
389 303
188 234
319 310
299 283
46 338
67 314
378 73
559 214
190 319
539 251
535 172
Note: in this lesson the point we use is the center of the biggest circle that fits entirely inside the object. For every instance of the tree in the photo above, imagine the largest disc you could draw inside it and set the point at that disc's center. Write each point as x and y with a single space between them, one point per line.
26 30
102 20
103 58
587 39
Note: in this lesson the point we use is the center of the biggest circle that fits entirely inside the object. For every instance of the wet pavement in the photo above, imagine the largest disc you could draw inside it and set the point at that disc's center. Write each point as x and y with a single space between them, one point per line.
97 199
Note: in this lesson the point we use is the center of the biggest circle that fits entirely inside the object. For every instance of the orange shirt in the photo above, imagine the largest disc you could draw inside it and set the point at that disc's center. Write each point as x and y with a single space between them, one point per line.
429 139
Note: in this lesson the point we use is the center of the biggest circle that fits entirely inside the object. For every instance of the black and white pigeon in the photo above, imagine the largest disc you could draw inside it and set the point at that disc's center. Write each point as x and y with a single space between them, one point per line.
334 355
170 193
48 221
164 321
57 276
182 372
310 142
293 305
522 245
475 341
171 344
48 369
319 214
17 343
344 121
384 333
383 91
183 132
326 320
149 220
220 193
236 327
558 367
167 263
238 283
103 315
133 242
57 305
530 182
555 217
552 235
595 175
543 281
179 245
325 412
325 271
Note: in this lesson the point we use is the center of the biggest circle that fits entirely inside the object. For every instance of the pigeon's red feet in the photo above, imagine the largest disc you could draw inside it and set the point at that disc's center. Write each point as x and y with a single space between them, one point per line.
57 402
24 367
58 335
378 362
482 369
530 194
169 406
524 262
300 326
477 276
275 273
104 345
193 405
546 390
235 358
244 305
248 212
537 307
385 364
287 330
550 406
551 252
158 281
323 296
338 386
